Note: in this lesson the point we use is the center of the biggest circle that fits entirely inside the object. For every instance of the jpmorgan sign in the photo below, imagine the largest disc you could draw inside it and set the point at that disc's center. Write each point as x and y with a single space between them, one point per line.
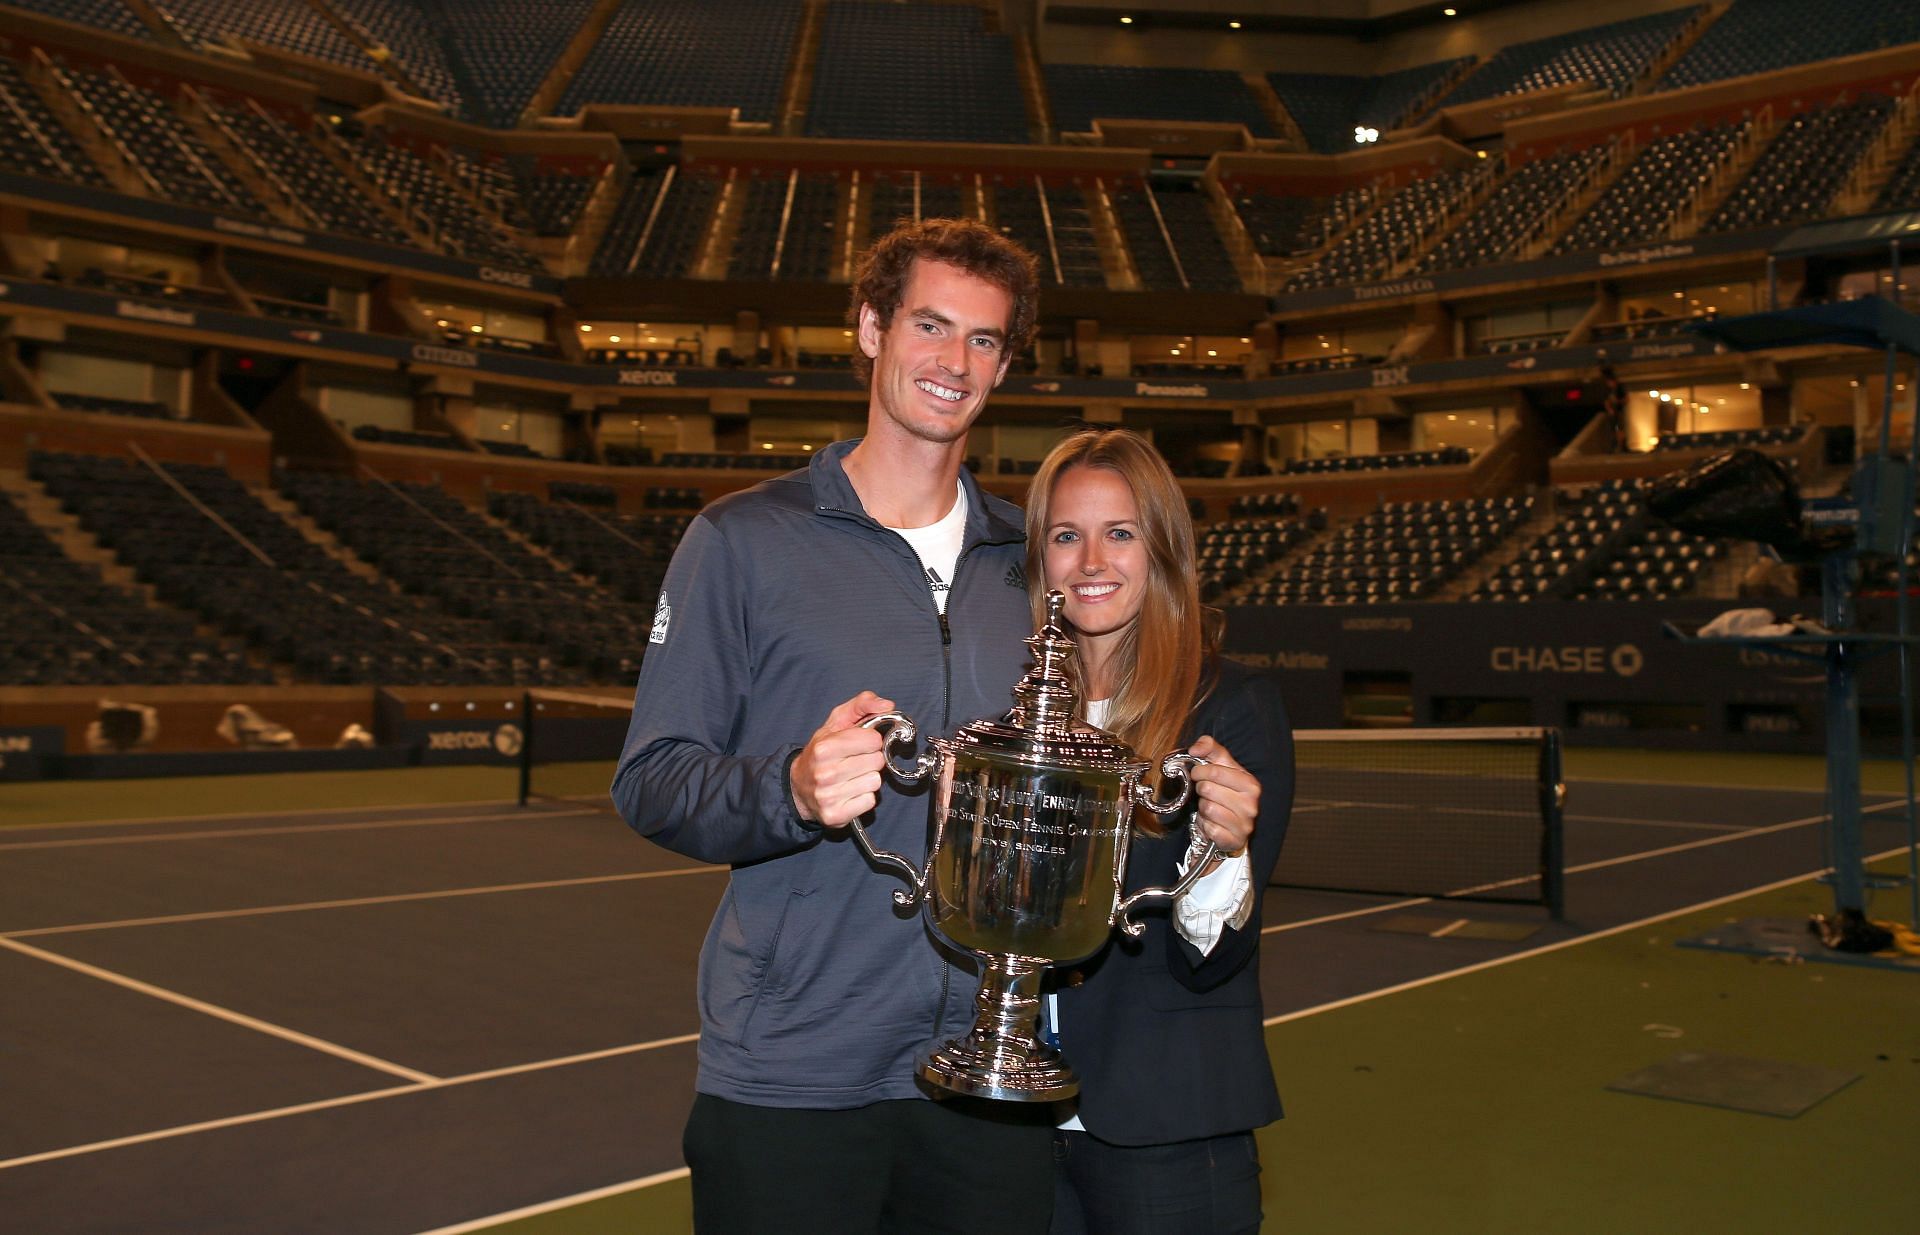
1623 660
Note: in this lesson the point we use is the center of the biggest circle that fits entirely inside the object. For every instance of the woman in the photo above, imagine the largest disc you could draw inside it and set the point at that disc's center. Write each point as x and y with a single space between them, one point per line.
1165 1031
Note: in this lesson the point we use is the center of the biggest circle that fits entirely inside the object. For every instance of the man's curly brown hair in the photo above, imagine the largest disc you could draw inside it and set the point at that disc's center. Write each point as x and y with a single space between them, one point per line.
965 244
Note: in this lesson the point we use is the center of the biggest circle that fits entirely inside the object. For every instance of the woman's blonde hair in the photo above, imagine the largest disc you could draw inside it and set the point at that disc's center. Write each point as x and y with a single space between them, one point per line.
1162 654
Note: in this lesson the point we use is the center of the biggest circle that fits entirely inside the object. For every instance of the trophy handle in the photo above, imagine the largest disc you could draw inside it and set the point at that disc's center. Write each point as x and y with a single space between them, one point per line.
895 728
1175 767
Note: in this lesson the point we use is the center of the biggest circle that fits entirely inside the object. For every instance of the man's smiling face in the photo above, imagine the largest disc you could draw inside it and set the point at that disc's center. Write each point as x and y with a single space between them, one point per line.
945 349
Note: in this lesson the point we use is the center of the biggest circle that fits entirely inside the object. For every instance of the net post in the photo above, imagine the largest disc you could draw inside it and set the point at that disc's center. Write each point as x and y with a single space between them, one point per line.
526 746
1553 853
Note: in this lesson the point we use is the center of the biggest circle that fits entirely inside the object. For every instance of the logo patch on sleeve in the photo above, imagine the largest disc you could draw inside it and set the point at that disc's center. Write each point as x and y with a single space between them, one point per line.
662 614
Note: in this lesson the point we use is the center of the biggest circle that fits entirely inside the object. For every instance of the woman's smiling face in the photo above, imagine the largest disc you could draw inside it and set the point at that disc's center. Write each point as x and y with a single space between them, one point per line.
1094 552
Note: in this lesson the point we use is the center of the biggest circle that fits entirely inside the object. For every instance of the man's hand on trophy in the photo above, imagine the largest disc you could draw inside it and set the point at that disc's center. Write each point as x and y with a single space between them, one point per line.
1229 797
836 775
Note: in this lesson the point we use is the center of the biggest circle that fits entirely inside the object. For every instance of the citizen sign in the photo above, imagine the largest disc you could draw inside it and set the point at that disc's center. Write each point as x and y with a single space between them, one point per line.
428 354
1624 660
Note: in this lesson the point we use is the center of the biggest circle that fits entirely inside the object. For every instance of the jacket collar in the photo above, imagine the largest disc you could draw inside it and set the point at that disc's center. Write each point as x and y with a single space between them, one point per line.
833 493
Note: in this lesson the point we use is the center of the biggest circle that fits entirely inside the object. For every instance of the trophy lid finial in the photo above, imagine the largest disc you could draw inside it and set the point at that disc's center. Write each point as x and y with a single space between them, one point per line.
1045 698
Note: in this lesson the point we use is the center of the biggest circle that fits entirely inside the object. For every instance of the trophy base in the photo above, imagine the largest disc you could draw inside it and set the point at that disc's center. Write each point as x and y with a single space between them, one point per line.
1002 1057
1035 1075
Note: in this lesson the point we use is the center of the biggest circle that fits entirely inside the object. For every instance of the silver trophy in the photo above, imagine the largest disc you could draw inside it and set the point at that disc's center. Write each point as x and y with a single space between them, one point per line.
1031 820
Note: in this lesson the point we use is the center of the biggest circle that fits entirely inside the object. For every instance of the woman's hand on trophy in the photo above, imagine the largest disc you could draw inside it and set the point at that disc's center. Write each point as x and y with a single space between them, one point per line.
836 775
1229 797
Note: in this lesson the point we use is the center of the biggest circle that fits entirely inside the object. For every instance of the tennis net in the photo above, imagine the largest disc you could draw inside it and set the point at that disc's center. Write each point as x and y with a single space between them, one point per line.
1467 814
571 746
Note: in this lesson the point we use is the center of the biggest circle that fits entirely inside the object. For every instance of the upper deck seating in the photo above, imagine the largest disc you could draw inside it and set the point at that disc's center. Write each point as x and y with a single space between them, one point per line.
1083 93
1796 177
720 53
1642 203
293 25
502 50
1612 57
893 72
1755 36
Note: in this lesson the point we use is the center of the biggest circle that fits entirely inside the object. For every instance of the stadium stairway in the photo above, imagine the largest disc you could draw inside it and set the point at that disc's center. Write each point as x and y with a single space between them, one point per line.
568 62
1891 147
1545 514
1576 205
64 529
539 550
329 544
1691 33
80 545
1717 187
194 112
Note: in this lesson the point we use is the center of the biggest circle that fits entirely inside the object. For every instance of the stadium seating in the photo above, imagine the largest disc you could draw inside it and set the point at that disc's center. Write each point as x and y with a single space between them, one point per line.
1604 546
106 14
1612 57
1729 439
1170 236
626 554
1448 456
65 626
502 50
434 546
720 53
293 25
548 201
297 605
1389 234
406 28
288 157
1642 203
1402 551
680 218
1328 107
1287 225
1796 176
1502 224
1234 552
1754 36
1083 93
900 72
786 227
33 142
447 211
171 154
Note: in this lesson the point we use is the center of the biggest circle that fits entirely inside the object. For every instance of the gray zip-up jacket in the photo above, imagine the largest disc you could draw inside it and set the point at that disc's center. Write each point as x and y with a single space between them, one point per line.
782 602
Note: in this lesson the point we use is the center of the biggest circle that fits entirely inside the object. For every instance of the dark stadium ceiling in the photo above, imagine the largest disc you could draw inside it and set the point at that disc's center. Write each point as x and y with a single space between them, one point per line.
1358 19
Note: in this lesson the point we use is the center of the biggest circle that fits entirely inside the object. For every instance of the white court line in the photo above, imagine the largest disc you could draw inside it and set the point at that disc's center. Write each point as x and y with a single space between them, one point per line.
1556 946
362 825
1658 823
543 1065
1719 785
565 1202
251 814
214 1010
482 1224
326 1104
214 915
1571 870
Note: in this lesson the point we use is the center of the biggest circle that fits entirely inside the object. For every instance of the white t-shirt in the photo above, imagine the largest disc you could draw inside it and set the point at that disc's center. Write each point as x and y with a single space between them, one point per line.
938 545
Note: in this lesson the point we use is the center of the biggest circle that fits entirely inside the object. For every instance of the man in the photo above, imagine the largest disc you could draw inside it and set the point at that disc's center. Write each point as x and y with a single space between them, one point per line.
879 578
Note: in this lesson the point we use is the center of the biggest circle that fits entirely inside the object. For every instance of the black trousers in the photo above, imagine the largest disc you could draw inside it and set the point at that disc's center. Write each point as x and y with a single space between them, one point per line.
1204 1187
957 1166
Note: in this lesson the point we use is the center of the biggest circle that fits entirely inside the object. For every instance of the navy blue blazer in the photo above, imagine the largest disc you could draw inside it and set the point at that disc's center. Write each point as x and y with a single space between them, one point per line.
1170 1045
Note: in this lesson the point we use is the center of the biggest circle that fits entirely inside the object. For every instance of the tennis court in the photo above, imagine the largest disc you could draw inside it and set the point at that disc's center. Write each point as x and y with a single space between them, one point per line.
470 1016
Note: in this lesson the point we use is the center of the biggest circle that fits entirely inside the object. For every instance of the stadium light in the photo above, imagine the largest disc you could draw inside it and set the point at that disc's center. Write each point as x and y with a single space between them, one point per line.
1362 134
